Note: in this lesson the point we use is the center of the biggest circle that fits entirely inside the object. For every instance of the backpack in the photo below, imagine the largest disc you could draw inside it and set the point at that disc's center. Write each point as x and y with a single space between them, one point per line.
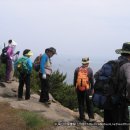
82 82
21 65
106 94
4 55
36 64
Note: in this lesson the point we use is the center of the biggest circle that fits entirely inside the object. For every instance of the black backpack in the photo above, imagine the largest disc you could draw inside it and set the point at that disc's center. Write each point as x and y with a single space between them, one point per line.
106 94
4 55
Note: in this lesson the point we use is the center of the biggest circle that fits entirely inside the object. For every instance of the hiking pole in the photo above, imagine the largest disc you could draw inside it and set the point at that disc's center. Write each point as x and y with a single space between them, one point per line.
4 44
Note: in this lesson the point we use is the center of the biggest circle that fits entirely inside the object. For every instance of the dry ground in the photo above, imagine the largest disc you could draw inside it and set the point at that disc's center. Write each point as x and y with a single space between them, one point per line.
10 119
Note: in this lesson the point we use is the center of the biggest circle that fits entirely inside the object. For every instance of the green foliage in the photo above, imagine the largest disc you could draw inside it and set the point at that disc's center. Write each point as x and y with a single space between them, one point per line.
33 120
2 71
61 91
35 81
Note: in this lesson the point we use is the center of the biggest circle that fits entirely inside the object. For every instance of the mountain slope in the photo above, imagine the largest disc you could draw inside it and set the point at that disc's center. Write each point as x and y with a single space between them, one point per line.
60 115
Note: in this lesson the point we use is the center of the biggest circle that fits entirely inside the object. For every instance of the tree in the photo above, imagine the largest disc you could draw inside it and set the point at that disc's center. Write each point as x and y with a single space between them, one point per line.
61 91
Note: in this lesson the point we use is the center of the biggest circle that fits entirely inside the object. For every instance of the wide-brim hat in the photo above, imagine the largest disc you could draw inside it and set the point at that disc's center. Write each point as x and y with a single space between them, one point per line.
29 53
125 48
85 60
52 49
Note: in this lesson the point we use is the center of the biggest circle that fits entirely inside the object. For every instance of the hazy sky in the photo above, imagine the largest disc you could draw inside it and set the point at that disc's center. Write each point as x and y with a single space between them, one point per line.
92 28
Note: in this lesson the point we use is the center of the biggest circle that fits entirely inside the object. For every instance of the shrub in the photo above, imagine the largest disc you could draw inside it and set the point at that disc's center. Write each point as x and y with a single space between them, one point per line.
34 121
2 71
61 91
35 81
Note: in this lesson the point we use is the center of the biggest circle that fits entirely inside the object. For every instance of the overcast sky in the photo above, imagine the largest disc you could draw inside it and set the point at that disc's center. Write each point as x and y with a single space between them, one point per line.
77 28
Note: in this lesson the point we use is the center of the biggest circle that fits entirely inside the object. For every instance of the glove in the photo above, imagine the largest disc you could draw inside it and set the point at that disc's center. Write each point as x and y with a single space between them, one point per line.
43 76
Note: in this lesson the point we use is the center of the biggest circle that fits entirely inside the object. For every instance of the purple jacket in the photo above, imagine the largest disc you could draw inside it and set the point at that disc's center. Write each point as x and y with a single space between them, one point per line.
10 52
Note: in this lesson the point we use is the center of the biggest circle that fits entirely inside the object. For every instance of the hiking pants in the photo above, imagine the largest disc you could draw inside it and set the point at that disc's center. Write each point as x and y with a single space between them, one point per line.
117 115
123 116
83 97
44 95
24 79
8 69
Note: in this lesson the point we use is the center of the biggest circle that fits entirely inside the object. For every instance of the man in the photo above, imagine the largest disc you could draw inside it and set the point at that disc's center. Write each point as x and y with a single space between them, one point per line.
44 74
117 118
83 81
124 87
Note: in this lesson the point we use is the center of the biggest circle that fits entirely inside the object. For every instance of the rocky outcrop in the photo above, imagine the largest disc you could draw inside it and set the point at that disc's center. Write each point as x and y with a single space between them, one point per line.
64 118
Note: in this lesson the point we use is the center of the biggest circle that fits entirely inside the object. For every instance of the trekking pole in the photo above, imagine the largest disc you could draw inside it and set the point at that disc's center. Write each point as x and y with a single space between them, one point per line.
4 44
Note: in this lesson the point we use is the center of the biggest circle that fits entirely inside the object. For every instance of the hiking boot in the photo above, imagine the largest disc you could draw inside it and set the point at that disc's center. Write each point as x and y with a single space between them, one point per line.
48 102
27 98
45 102
82 119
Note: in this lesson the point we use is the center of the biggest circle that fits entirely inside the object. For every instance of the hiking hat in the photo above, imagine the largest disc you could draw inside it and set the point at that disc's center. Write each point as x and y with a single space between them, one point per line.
52 49
27 52
125 48
85 60
12 42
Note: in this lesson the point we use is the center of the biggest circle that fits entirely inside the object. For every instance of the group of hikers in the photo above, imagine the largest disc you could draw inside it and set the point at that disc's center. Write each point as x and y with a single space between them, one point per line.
23 65
109 91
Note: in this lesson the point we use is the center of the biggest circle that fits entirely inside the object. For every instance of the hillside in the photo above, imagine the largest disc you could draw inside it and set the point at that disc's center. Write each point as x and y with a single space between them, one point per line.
55 112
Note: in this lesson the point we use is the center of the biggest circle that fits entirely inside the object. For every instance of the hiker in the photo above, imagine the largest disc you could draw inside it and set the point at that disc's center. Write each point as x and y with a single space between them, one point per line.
16 56
44 74
24 67
10 51
14 60
116 110
83 82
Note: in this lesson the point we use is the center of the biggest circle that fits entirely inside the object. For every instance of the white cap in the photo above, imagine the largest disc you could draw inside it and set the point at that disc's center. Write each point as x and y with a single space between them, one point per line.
14 43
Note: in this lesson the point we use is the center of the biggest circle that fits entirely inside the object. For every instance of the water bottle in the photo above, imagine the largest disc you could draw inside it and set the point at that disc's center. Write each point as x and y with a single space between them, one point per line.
129 112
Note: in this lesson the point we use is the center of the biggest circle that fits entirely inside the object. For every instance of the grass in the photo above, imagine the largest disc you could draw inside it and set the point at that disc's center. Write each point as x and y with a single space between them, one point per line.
14 119
34 121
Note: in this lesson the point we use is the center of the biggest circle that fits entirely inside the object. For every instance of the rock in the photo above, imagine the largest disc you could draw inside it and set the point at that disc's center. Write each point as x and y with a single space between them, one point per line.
2 84
1 91
7 92
55 111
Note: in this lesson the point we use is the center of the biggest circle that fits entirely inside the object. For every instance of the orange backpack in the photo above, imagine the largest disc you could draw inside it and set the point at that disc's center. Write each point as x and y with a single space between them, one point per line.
82 82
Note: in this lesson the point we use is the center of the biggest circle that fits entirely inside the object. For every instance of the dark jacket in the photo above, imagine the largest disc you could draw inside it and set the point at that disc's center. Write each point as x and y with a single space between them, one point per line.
125 77
90 76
